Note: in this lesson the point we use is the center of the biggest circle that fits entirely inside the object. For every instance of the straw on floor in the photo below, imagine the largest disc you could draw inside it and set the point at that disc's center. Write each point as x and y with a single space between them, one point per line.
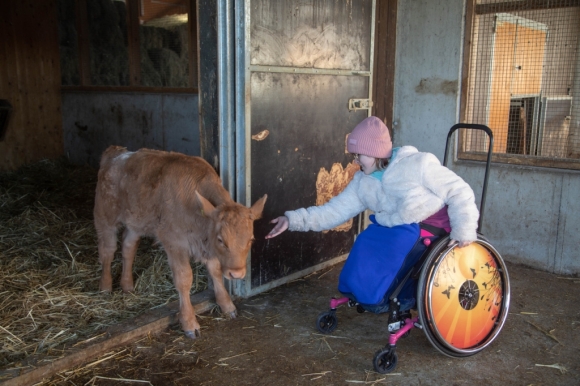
49 269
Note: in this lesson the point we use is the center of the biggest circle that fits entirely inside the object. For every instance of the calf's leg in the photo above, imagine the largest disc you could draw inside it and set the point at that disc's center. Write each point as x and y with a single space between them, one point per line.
183 279
107 244
130 245
222 296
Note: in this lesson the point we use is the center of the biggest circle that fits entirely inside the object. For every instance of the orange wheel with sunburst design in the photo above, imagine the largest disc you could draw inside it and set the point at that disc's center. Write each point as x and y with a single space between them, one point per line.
463 297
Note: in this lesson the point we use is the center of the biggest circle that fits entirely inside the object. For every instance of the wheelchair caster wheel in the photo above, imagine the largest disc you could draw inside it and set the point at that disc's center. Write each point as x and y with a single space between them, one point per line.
385 360
327 322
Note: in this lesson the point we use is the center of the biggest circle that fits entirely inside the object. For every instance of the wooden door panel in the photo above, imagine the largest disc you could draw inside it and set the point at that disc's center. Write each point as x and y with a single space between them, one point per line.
529 58
517 71
503 64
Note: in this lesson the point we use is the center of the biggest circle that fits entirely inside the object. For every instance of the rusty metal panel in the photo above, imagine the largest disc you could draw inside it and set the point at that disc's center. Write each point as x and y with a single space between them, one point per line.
298 157
325 34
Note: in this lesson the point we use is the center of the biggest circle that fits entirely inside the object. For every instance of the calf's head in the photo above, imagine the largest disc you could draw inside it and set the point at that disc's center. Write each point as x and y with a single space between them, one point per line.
230 233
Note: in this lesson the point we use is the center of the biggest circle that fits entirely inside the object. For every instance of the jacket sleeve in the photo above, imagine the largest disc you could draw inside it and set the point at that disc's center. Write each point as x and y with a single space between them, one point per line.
457 195
339 209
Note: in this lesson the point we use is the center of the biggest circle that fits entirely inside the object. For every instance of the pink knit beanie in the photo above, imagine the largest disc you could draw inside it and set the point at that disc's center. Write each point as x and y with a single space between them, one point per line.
370 137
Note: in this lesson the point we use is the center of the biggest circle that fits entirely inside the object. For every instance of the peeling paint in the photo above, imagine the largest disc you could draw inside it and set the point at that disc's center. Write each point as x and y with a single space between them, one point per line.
331 184
261 135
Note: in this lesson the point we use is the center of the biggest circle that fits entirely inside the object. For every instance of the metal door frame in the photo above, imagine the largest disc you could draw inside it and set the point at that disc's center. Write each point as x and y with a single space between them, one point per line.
242 106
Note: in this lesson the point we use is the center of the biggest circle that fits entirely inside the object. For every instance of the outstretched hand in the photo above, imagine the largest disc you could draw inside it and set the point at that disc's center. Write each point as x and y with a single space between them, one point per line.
460 244
281 225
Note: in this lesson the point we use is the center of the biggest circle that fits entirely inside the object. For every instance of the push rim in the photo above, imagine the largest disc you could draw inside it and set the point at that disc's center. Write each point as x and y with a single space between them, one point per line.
463 297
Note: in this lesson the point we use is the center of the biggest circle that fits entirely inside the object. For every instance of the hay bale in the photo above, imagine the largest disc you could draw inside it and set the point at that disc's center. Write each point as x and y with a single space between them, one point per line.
49 269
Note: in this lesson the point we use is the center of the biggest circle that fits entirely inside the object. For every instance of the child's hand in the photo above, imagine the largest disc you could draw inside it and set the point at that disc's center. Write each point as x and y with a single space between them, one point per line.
460 244
281 225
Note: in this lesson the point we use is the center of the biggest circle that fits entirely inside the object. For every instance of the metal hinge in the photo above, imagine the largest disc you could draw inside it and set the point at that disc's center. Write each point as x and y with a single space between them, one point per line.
359 104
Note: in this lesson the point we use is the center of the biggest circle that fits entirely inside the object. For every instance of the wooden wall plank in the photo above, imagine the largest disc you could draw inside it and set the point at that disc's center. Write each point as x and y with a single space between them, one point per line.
384 65
466 64
133 38
82 27
192 25
31 83
379 79
207 81
12 86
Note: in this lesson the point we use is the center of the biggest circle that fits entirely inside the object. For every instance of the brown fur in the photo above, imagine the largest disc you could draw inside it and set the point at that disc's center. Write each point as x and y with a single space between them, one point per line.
180 201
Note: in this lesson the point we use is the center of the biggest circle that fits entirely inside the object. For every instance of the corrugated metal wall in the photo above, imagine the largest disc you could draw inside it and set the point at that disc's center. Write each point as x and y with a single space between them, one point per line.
30 81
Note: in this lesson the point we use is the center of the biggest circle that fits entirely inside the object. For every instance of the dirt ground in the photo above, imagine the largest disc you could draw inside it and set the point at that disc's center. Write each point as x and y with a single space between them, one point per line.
274 341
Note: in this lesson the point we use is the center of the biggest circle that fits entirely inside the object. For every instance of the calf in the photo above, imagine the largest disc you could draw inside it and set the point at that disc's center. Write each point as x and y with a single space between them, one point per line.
180 201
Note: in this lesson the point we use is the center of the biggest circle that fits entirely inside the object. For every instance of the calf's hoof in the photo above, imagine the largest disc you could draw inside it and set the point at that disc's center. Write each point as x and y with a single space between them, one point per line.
232 315
193 334
106 287
127 287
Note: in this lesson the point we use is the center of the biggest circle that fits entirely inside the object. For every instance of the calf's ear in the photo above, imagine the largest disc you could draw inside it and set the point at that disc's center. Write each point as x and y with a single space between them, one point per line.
258 207
206 207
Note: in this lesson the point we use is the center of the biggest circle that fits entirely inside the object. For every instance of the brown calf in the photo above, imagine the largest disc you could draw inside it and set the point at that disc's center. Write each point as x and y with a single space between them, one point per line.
181 202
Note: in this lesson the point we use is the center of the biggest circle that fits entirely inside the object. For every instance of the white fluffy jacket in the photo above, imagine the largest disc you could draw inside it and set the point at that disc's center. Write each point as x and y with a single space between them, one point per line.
414 186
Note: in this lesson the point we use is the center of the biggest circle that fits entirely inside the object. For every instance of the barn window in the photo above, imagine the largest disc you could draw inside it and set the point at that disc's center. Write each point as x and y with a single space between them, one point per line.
142 44
523 64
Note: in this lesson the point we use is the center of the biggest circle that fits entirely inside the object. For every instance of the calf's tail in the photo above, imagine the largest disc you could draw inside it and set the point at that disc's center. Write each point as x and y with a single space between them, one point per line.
110 154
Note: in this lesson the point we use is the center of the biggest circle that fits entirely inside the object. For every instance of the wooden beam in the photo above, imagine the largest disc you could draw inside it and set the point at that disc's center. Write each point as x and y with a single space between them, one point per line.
466 64
518 159
125 333
384 66
131 89
133 41
207 81
82 26
379 75
192 26
391 49
528 5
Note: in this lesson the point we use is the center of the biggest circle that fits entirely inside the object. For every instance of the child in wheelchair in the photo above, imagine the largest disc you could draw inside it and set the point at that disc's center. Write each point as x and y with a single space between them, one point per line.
414 198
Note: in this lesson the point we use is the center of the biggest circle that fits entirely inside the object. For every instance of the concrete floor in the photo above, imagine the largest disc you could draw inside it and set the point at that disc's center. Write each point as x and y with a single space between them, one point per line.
274 341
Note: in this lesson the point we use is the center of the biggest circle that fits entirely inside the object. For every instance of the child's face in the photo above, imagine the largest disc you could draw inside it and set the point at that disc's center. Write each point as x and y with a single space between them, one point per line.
367 164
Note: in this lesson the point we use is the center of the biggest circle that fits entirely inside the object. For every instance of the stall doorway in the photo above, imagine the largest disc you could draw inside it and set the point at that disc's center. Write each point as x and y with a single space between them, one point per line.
517 66
307 83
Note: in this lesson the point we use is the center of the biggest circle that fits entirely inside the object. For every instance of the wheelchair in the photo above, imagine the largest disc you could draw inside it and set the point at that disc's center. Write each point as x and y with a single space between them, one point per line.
460 296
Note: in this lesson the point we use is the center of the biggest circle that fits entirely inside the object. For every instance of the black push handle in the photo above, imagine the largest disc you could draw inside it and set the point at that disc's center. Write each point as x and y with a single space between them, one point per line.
489 152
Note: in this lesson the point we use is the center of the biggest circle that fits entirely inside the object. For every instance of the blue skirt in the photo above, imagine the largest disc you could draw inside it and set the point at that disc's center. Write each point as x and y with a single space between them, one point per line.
375 261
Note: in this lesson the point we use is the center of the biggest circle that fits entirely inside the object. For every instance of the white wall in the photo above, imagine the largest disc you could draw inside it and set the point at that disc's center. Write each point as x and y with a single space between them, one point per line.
532 215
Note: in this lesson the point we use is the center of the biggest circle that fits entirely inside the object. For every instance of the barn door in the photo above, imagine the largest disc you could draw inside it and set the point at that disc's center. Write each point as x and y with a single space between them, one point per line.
304 71
517 66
